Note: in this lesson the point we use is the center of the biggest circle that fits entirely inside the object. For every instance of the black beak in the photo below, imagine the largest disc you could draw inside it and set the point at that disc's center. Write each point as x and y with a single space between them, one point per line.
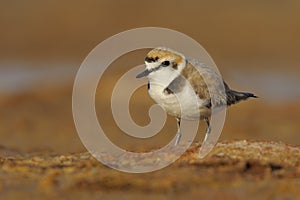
143 73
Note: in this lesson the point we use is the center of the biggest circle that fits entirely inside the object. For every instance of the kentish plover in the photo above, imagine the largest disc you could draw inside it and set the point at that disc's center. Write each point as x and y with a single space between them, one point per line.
168 74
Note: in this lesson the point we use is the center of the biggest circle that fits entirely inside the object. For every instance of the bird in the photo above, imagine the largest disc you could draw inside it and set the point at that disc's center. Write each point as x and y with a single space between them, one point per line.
169 73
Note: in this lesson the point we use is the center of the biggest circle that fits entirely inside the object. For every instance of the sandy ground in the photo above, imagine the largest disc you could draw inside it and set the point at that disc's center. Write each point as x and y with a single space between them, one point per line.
236 169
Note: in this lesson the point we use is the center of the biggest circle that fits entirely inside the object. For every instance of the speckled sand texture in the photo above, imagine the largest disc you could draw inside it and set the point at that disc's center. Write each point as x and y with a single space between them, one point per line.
237 169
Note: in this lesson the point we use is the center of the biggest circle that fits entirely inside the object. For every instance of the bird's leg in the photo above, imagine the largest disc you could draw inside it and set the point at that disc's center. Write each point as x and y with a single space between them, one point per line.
208 130
178 134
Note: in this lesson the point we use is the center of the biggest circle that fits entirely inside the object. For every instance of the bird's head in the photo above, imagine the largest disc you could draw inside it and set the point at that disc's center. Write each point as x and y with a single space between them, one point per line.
163 63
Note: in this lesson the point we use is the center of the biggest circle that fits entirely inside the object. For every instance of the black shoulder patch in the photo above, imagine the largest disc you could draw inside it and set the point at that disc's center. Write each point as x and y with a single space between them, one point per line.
176 85
168 90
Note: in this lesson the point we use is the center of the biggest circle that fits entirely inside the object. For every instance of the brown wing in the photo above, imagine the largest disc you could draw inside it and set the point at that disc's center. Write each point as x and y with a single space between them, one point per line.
197 82
207 84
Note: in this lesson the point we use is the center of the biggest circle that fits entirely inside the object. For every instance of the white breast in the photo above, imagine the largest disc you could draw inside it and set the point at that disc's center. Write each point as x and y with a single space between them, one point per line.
189 101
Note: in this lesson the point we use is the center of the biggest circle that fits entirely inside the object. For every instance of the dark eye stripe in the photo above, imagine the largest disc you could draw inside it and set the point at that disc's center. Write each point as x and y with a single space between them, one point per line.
151 59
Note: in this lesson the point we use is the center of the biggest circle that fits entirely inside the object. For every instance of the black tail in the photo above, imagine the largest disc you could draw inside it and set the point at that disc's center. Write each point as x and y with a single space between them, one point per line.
235 96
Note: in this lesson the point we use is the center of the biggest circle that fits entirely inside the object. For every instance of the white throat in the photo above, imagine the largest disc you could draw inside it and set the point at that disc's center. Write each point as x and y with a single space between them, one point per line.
164 76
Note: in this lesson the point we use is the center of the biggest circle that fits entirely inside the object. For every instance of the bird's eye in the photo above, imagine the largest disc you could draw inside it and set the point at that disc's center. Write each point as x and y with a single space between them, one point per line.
165 63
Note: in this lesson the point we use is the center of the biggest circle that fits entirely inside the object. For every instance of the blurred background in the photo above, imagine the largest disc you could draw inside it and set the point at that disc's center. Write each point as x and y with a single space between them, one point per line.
255 45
